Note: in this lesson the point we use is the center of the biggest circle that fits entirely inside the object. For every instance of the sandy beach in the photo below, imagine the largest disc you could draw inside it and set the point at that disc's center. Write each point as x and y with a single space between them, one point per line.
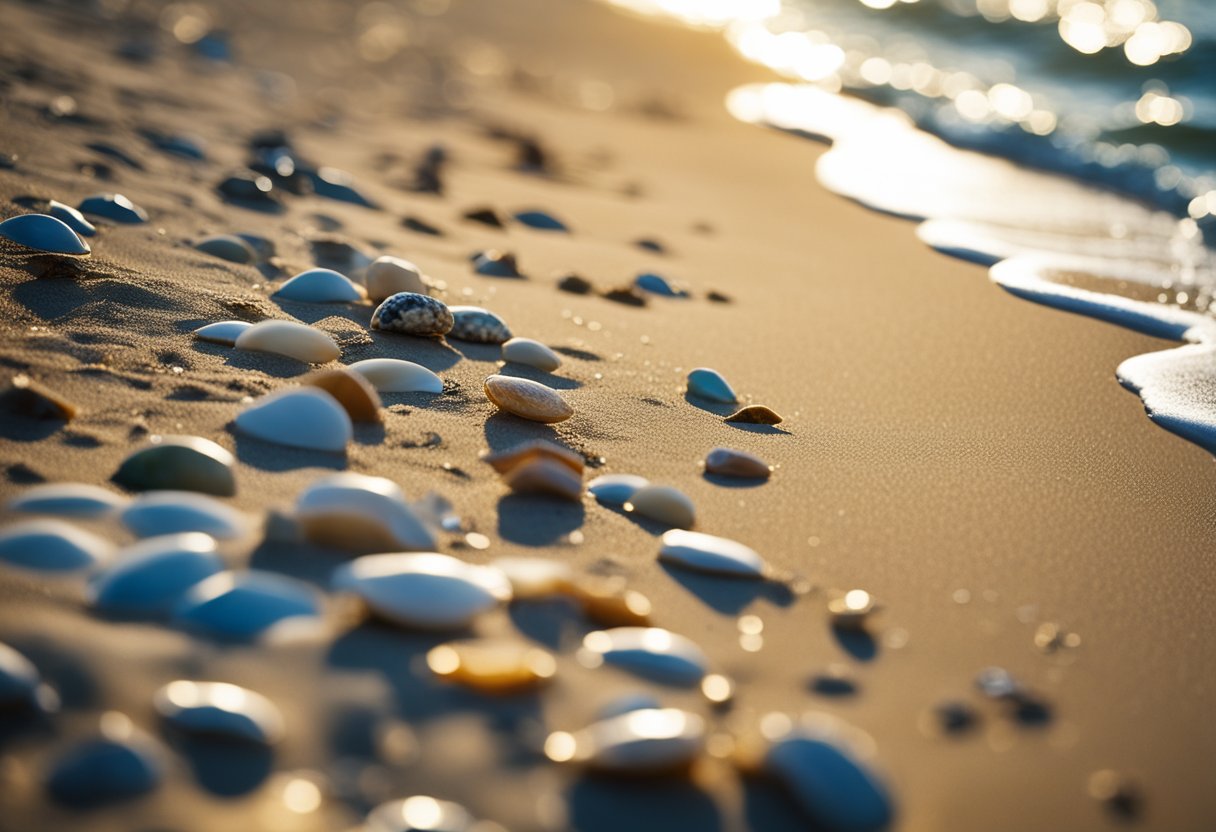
966 457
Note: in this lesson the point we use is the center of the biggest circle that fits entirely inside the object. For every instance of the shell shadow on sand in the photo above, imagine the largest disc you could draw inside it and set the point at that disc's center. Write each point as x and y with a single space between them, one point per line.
729 595
267 456
536 519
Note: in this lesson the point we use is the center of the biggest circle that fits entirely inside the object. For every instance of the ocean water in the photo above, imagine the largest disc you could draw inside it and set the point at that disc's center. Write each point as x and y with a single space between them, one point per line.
1068 144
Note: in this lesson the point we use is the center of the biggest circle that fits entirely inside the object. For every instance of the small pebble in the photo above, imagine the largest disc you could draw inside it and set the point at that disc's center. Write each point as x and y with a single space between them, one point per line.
541 220
609 602
67 499
72 218
627 295
251 189
575 285
734 463
532 353
495 263
755 414
412 313
43 233
852 610
664 504
651 652
485 216
480 326
507 460
527 399
181 463
104 771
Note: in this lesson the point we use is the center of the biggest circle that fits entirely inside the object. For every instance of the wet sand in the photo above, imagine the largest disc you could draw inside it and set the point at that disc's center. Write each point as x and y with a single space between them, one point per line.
940 435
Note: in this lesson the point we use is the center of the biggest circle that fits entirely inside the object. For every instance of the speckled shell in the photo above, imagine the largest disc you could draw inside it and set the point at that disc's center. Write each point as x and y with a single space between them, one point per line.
481 326
413 314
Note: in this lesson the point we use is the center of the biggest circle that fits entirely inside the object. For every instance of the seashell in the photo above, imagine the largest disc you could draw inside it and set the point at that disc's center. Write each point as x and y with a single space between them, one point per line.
354 512
222 332
541 220
707 553
26 397
70 217
657 285
543 475
481 326
575 284
709 384
533 578
651 652
533 353
52 546
852 610
67 499
321 286
609 602
755 414
188 147
20 681
300 417
103 771
527 399
227 247
351 390
180 463
664 504
244 605
429 591
113 207
492 666
393 375
252 188
294 340
43 233
627 703
422 814
388 276
173 512
219 709
495 263
734 463
627 295
641 741
413 314
152 575
333 183
486 216
507 460
615 489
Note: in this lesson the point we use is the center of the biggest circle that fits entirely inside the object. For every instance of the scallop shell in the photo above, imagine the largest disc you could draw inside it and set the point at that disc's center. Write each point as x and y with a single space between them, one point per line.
481 326
387 276
412 313
393 375
707 553
301 417
497 666
72 218
755 414
429 591
173 512
42 233
354 512
709 384
182 463
616 489
219 709
244 605
52 546
222 332
294 340
67 499
351 390
113 207
321 286
734 463
150 577
227 247
664 504
641 741
532 353
527 399
651 652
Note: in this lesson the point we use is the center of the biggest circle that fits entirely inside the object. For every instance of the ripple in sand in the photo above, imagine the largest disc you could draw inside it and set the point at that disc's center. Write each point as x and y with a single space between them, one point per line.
493 666
480 326
651 652
222 332
394 375
531 353
52 546
735 463
151 576
43 233
218 709
641 741
354 512
158 513
412 313
291 339
301 417
664 504
67 499
180 463
527 399
710 384
113 207
387 276
321 286
714 555
616 489
227 247
244 605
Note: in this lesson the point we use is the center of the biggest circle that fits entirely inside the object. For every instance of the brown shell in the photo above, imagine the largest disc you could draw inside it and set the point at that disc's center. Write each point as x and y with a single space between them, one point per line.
755 414
356 395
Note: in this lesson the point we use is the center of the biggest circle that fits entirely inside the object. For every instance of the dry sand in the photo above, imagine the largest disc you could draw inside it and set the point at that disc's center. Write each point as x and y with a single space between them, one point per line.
939 436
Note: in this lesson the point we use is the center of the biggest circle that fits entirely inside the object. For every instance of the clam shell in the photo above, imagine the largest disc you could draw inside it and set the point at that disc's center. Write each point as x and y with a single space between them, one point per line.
321 286
113 207
506 460
103 771
52 546
421 814
72 218
67 499
222 332
393 375
219 709
481 326
351 390
412 313
715 555
227 247
541 220
182 463
495 263
735 463
532 353
651 652
173 512
301 417
657 285
486 215
294 340
43 233
616 489
150 577
664 504
387 276
497 666
709 384
755 414
641 741
244 605
527 399
428 591
545 476
354 512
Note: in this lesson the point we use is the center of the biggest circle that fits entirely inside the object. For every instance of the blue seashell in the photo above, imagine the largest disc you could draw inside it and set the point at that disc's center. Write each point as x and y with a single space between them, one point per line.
541 220
709 384
151 576
172 512
19 679
616 489
67 499
114 207
657 285
52 546
219 709
103 771
244 605
43 233
650 652
72 218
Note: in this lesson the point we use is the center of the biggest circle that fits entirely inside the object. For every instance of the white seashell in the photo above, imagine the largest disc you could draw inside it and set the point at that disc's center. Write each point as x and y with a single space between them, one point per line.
641 741
294 340
393 375
422 814
387 276
219 709
648 651
532 353
52 546
43 233
158 513
72 218
222 332
664 504
321 286
67 499
535 577
616 489
152 575
299 417
360 513
707 553
430 591
245 605
228 247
